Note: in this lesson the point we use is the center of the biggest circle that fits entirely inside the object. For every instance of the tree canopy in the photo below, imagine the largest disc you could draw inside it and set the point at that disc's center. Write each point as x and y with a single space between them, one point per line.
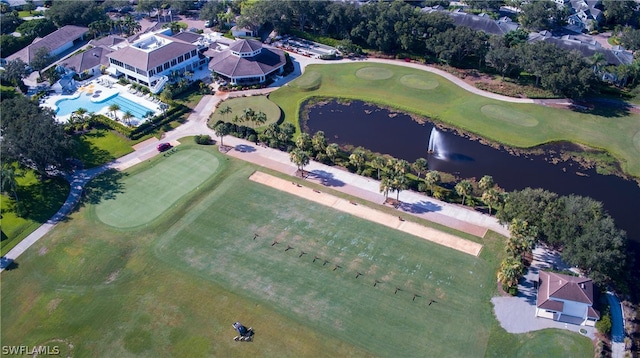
80 13
31 136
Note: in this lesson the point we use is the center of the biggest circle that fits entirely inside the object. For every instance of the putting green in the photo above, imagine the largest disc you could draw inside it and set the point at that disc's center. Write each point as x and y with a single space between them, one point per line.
508 115
309 82
374 73
149 193
419 82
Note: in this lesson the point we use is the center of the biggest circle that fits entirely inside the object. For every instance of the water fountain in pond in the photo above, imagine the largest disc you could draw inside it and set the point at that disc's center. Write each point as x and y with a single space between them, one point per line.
436 144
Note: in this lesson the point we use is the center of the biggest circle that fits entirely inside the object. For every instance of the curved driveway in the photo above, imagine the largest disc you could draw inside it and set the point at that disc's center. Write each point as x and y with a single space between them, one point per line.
455 216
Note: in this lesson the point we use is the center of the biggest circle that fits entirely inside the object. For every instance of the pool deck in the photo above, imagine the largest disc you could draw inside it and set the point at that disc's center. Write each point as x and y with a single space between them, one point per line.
101 89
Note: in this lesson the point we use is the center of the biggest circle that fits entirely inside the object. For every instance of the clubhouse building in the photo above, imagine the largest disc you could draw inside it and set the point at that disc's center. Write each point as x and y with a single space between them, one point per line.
566 297
247 62
151 59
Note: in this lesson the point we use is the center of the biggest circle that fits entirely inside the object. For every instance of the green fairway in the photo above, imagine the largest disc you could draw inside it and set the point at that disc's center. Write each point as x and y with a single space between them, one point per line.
237 106
173 287
150 192
426 94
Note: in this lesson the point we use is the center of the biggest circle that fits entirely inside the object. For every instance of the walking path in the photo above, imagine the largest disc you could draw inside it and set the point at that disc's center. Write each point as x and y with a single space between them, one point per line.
461 218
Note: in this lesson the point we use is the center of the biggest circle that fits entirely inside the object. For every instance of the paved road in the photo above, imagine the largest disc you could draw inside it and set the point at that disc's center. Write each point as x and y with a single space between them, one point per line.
462 218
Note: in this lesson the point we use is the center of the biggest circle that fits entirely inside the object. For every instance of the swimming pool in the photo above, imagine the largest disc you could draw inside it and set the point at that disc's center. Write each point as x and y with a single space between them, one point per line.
67 106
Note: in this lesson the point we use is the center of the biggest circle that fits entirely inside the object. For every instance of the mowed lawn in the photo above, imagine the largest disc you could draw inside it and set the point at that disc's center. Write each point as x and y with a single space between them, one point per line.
174 286
426 94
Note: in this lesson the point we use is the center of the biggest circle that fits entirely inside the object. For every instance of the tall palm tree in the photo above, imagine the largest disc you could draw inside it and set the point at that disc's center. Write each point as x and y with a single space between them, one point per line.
259 118
332 151
78 115
221 130
464 189
303 141
510 271
224 111
401 166
127 117
319 142
419 166
385 186
432 178
357 158
300 158
399 183
9 183
114 108
486 183
378 163
247 115
492 198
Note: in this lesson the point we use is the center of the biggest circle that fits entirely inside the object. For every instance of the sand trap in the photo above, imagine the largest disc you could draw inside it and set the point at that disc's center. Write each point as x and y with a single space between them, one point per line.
367 213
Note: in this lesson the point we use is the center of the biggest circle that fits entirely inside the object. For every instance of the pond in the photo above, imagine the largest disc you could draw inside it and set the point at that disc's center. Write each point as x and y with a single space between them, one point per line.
397 134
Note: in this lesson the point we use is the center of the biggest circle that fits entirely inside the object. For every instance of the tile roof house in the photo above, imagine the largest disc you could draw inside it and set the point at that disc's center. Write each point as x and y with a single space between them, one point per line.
563 295
152 58
247 62
57 42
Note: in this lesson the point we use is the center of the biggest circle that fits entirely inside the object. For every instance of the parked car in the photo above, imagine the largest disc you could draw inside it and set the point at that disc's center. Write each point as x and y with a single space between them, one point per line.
163 147
208 23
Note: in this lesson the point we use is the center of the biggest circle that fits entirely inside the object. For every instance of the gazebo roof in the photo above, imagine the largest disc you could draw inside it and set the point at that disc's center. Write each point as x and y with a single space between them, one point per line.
230 65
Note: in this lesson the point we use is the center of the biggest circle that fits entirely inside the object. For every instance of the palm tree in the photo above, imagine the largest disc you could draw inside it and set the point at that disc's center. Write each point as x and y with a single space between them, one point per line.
221 130
78 115
598 59
319 142
303 141
247 115
492 198
399 183
259 118
357 158
385 186
127 117
464 189
378 163
432 178
401 166
486 183
226 110
419 166
332 151
9 183
510 271
300 158
114 108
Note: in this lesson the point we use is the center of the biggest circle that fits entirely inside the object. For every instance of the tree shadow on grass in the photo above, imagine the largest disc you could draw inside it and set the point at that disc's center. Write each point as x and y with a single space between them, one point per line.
603 107
104 187
42 200
90 155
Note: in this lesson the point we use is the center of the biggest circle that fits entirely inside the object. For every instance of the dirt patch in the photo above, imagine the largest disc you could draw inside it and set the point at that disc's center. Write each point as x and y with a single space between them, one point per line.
367 213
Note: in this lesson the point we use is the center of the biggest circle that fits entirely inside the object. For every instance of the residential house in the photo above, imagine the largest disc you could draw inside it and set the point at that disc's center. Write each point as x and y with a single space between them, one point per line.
585 16
586 46
481 22
57 42
153 58
247 62
87 63
566 297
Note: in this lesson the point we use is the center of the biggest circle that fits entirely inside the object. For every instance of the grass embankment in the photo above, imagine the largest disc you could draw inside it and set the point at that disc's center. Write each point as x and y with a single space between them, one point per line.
239 104
174 285
415 91
101 146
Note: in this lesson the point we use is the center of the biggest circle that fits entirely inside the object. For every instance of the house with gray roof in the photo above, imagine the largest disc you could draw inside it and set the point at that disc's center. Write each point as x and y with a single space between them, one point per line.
584 14
247 62
481 22
615 56
87 62
152 58
56 42
566 297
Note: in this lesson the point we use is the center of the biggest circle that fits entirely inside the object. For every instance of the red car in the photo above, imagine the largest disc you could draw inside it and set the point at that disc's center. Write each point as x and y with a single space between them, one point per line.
163 146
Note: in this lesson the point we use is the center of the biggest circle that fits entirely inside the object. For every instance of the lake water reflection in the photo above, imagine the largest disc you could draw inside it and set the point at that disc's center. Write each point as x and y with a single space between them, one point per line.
394 133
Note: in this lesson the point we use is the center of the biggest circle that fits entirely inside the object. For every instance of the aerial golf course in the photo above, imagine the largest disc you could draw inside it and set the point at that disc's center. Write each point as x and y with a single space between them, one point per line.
161 259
